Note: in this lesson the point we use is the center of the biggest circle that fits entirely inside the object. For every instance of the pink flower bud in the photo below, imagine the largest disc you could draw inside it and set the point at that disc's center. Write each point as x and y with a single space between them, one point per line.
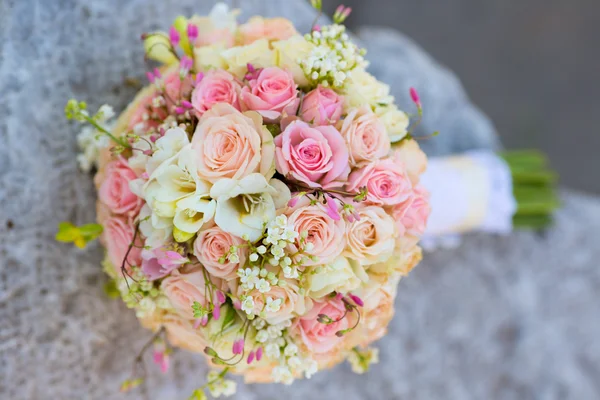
332 209
259 353
150 76
157 73
174 36
415 96
220 297
199 77
238 346
186 104
161 359
217 312
357 300
192 31
250 357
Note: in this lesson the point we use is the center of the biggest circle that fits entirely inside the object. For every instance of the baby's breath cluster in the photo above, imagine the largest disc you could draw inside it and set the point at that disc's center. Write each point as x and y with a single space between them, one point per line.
140 294
333 56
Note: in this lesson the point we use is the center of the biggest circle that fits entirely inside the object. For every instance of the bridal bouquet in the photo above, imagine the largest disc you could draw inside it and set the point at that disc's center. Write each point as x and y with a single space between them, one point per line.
259 201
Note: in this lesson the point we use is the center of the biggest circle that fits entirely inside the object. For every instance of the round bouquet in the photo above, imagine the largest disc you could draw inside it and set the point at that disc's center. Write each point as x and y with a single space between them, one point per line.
259 201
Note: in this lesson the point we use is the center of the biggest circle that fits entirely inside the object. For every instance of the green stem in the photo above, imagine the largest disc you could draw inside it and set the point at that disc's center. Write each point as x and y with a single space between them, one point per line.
107 133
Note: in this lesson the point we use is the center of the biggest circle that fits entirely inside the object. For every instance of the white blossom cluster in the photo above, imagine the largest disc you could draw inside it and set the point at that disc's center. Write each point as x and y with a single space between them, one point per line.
219 386
90 141
332 58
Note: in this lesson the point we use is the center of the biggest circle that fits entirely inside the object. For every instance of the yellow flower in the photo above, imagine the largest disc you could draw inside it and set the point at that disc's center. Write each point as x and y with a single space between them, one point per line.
258 54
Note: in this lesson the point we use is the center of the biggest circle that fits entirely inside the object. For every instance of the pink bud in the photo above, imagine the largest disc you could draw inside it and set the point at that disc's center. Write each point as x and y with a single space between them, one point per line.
148 152
339 9
174 36
237 304
250 357
153 138
217 312
179 110
357 300
238 346
145 175
259 353
204 320
186 104
317 28
251 68
347 12
415 96
157 73
162 360
192 31
332 209
220 297
150 76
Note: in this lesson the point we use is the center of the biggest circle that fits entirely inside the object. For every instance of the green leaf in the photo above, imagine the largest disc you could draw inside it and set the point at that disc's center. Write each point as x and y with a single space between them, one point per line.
229 318
67 232
92 230
111 290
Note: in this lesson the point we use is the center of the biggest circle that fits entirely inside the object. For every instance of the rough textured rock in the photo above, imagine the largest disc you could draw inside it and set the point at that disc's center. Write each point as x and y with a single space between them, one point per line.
498 319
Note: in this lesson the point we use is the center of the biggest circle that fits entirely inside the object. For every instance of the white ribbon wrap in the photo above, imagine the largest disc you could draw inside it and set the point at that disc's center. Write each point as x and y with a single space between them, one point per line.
469 192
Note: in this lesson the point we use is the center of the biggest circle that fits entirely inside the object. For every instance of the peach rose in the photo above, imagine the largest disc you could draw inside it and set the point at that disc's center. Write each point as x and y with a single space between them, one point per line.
292 304
409 153
411 215
322 106
117 236
217 86
365 135
371 239
319 337
185 286
386 180
272 93
231 144
325 234
316 156
181 333
213 244
268 28
114 190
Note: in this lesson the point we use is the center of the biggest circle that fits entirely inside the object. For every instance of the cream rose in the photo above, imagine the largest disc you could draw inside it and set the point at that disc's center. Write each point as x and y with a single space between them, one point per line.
395 121
289 52
337 276
411 155
363 88
212 246
371 239
231 144
258 54
365 135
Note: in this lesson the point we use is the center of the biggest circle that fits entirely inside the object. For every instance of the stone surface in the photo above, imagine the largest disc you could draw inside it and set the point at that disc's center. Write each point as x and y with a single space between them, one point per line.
498 319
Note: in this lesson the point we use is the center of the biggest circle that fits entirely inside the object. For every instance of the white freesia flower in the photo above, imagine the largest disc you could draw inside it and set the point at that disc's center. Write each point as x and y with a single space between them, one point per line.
244 206
363 88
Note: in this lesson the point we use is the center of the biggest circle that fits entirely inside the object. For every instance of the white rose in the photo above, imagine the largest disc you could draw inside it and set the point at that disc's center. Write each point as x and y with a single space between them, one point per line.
363 88
289 52
338 276
396 121
258 54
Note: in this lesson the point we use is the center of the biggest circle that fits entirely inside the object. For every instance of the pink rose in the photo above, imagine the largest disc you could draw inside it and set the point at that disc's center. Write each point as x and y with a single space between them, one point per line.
321 106
160 262
386 181
185 286
316 156
212 245
272 93
365 135
175 88
231 144
325 233
217 86
268 28
319 337
411 215
117 236
114 190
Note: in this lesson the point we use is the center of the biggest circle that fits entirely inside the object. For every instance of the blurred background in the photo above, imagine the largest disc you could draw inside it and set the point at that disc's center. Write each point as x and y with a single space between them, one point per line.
532 66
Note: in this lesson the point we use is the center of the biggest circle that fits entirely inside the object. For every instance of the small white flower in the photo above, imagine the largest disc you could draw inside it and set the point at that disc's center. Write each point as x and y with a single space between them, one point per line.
294 362
272 350
274 332
282 374
273 306
263 286
248 305
262 336
261 249
290 350
310 368
253 257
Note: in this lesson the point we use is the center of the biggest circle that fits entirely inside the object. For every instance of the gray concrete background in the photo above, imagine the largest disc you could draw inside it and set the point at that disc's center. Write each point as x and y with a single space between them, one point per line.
532 65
